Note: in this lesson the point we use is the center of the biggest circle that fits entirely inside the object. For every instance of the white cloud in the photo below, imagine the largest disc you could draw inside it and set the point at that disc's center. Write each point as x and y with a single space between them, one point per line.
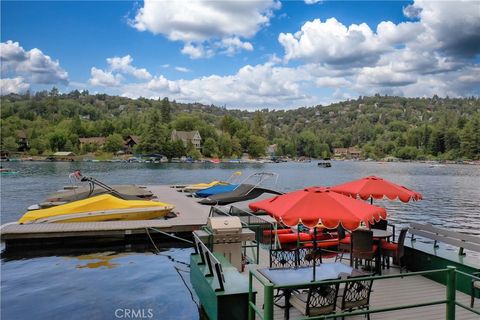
124 65
313 1
233 45
452 26
251 86
182 69
196 51
104 78
331 42
117 66
384 76
332 82
13 85
204 22
435 54
33 65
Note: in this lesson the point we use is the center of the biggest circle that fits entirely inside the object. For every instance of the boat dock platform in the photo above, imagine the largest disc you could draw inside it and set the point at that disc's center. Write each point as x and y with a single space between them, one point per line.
190 216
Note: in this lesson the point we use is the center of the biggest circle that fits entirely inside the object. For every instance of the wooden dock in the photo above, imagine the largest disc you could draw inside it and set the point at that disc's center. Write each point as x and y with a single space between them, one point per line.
190 216
389 293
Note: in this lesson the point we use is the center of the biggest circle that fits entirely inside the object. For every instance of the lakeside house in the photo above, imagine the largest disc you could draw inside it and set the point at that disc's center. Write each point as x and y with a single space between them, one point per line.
186 137
22 141
347 153
130 142
97 141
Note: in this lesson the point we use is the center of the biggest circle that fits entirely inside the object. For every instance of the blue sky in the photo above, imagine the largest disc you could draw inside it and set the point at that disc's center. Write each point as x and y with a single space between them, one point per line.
242 54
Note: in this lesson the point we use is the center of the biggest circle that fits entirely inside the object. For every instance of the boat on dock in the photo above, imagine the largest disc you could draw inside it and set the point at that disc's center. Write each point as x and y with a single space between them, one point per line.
103 207
243 191
75 192
192 188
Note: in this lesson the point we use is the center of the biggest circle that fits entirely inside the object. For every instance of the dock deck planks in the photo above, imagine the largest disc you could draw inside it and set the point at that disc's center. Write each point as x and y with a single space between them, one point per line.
190 216
389 293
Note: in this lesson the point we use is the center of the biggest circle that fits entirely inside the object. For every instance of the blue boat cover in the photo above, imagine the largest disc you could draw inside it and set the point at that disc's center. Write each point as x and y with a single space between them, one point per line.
215 190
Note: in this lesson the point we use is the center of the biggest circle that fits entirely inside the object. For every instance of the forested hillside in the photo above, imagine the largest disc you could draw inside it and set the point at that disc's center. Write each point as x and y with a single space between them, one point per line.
407 128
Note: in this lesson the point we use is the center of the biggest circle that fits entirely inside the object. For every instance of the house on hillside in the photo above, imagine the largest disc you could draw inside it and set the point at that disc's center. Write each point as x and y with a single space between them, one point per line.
130 142
347 153
188 136
99 142
22 141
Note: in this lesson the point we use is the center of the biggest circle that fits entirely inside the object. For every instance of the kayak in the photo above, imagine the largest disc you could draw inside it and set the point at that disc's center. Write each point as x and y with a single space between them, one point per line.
104 207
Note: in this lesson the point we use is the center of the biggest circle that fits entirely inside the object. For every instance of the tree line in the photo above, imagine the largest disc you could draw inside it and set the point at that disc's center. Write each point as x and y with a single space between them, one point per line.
380 126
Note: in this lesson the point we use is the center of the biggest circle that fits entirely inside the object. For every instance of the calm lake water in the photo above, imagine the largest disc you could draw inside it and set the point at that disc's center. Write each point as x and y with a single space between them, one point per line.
96 285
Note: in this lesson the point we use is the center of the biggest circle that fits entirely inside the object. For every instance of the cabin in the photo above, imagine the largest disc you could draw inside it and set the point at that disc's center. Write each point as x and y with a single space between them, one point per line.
99 142
130 142
22 141
186 137
347 153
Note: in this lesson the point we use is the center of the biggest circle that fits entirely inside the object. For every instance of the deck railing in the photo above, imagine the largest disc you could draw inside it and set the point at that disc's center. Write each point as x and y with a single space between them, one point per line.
214 267
268 305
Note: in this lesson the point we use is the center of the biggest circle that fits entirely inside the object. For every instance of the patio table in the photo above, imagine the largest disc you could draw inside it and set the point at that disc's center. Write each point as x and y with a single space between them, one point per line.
290 276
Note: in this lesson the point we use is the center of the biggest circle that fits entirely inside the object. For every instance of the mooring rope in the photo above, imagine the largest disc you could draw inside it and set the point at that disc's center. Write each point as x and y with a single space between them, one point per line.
158 252
186 285
170 235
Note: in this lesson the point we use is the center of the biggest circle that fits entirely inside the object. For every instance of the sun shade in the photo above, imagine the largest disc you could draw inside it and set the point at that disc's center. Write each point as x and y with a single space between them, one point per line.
377 188
314 205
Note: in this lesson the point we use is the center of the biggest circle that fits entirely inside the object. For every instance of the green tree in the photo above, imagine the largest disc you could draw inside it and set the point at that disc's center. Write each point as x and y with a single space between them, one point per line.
113 143
210 148
258 124
225 145
165 111
57 141
257 146
9 144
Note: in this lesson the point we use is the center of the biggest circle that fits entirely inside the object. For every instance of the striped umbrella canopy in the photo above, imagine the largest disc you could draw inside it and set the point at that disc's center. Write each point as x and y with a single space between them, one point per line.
314 205
377 188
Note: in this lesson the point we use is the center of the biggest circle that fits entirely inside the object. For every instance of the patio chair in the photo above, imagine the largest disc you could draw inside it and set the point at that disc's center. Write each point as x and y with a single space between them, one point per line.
356 295
305 256
380 225
475 288
318 300
362 246
395 250
344 241
283 258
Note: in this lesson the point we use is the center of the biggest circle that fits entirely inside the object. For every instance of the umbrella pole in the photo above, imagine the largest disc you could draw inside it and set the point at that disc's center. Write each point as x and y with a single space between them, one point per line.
314 250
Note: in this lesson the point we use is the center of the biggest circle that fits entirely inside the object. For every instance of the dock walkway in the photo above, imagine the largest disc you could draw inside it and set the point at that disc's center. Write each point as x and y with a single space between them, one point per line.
388 293
190 216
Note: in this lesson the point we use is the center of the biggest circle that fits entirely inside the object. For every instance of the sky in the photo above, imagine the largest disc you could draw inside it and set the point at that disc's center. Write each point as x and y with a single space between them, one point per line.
243 54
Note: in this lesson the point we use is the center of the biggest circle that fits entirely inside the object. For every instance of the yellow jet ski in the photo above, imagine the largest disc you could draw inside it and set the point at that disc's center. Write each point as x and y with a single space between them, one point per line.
192 188
104 207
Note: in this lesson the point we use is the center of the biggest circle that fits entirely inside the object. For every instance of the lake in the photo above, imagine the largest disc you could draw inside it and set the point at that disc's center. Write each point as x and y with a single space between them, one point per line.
100 285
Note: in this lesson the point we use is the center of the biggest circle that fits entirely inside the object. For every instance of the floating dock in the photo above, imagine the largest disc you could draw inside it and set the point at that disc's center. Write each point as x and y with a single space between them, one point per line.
190 216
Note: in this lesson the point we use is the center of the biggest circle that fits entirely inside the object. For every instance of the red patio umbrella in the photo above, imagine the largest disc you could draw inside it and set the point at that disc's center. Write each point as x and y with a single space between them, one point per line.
377 188
314 205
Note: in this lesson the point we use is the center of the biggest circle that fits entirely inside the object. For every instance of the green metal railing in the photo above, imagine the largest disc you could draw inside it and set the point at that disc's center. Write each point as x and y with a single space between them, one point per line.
450 298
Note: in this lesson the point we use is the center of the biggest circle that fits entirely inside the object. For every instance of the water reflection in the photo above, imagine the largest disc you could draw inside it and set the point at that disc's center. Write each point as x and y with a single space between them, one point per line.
99 260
